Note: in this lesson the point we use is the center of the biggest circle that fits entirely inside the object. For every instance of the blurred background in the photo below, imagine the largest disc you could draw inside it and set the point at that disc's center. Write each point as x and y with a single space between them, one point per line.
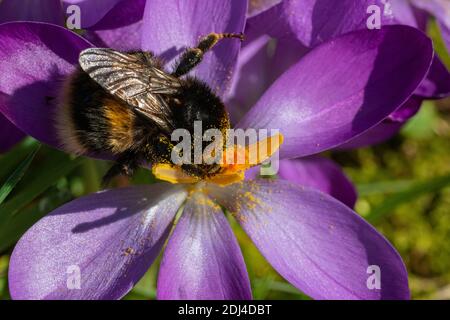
403 186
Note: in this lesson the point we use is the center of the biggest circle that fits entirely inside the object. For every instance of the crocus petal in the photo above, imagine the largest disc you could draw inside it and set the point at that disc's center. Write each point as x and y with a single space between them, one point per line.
256 7
269 22
315 242
31 10
123 14
251 78
91 11
404 13
34 59
321 174
407 110
343 88
378 134
120 28
316 172
170 26
441 10
109 239
437 83
202 259
287 53
126 38
9 134
437 8
257 69
315 21
445 30
422 19
386 129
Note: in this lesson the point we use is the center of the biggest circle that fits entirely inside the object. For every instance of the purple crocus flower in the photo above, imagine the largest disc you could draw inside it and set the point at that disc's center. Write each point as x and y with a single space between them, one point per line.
315 172
109 23
29 10
105 15
9 134
336 92
440 9
257 69
301 25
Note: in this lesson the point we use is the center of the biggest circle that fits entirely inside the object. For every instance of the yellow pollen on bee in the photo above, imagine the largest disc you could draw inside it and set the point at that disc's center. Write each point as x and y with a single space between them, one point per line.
236 160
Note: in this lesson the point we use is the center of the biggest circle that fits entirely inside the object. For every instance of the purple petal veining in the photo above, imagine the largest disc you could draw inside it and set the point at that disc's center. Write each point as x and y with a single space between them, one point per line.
34 66
364 76
315 242
169 34
108 238
202 260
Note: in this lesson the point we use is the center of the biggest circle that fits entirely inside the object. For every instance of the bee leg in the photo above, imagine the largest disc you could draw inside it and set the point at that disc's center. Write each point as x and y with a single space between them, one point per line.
122 167
114 171
193 56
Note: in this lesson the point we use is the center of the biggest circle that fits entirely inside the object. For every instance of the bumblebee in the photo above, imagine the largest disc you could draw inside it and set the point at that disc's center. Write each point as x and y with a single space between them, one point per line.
127 105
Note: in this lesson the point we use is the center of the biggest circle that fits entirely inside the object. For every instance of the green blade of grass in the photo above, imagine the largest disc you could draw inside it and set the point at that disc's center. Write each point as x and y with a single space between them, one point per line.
16 176
16 225
4 294
383 187
408 195
438 42
12 158
55 166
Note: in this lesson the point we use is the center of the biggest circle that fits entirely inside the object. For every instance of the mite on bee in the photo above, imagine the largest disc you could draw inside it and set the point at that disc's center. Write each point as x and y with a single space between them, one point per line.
126 104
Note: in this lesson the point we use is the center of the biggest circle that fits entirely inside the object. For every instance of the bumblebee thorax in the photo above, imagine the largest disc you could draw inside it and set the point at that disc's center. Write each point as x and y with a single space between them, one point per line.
197 102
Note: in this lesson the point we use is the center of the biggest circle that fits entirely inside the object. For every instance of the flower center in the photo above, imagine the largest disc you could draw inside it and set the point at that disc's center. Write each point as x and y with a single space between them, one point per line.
235 161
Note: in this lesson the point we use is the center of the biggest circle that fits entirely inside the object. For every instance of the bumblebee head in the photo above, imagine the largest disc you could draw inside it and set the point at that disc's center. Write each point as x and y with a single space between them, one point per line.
231 169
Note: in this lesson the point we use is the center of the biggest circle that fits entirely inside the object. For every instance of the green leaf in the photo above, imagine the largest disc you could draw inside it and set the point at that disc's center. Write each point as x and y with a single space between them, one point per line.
284 287
16 176
438 42
90 172
408 195
367 189
135 296
12 158
16 225
422 125
55 166
262 287
4 261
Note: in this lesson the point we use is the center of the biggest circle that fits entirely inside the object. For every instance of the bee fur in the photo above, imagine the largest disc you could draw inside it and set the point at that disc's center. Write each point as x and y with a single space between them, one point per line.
100 114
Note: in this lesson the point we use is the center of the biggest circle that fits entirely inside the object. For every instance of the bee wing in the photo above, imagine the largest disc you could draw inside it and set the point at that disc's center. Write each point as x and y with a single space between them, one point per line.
128 77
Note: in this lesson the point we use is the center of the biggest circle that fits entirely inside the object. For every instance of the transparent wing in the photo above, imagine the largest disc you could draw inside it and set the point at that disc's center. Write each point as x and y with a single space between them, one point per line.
132 78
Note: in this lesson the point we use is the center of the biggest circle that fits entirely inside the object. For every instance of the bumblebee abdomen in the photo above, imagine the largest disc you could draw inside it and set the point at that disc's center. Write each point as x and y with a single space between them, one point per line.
92 120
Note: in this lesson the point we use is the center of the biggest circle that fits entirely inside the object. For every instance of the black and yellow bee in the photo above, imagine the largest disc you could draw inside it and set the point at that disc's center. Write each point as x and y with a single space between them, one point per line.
124 103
